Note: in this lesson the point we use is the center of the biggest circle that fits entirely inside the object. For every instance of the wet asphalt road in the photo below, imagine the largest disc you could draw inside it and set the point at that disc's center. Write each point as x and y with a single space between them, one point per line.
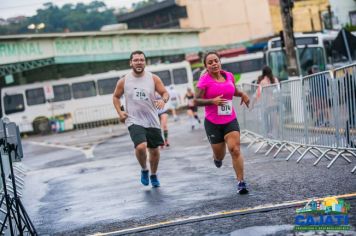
69 193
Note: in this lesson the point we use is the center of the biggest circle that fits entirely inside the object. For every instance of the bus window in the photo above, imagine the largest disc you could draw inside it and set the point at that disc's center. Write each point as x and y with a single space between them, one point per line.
107 86
251 65
35 96
180 76
61 92
84 89
232 67
278 62
309 57
13 103
165 77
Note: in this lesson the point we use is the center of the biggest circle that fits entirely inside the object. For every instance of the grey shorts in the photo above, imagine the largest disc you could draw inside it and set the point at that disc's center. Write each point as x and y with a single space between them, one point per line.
152 136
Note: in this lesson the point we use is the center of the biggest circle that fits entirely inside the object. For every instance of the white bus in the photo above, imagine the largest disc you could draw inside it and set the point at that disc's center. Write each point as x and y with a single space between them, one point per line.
314 50
80 99
246 67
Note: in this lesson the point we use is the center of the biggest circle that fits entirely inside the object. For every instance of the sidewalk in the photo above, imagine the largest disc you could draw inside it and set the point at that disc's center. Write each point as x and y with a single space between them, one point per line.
82 140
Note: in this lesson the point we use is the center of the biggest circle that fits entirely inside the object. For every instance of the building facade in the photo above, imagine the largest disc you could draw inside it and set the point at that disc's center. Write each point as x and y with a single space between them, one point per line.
224 21
307 15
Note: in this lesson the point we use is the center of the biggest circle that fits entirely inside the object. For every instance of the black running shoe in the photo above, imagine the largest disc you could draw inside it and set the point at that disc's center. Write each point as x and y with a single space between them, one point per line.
217 163
242 188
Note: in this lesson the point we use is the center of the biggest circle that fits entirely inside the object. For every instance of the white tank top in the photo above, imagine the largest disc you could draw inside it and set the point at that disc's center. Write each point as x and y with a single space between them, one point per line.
139 95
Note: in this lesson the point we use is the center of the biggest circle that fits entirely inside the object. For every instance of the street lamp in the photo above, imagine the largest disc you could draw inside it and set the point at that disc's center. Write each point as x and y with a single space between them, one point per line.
36 27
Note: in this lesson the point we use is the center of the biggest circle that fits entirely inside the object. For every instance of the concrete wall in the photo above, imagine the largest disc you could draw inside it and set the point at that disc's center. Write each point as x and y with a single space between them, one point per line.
227 21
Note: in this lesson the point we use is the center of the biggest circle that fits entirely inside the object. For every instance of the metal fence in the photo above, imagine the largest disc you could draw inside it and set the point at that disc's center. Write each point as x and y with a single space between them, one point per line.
96 116
313 115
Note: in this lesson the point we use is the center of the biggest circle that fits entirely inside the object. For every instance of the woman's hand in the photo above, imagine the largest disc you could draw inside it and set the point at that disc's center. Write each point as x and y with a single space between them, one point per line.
219 100
245 99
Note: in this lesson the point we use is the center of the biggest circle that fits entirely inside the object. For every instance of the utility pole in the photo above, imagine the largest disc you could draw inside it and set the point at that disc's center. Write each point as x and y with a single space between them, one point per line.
287 22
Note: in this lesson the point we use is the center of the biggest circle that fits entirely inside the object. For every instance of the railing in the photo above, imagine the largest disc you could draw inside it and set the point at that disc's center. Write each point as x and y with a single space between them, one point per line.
96 116
313 115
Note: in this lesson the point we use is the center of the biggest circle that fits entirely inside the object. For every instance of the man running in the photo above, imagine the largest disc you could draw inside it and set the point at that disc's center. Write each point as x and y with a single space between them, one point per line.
174 101
141 117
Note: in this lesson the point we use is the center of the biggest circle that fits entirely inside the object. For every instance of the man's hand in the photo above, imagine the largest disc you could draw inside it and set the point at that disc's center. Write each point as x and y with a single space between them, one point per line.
245 99
160 104
123 116
219 100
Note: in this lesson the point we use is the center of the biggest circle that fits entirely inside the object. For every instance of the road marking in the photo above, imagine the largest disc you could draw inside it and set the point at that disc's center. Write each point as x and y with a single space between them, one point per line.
222 214
87 152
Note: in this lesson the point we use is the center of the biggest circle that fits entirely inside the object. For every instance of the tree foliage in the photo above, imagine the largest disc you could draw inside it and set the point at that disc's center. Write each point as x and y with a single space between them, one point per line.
69 17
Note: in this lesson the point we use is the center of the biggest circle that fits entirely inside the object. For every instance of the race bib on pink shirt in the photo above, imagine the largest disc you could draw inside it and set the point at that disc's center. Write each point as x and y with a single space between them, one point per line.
226 109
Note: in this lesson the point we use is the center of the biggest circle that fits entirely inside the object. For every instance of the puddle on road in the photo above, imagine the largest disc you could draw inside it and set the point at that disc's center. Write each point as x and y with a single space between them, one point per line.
263 230
281 230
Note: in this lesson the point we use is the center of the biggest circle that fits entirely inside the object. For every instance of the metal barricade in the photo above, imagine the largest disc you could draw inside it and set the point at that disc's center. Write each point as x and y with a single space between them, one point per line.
250 118
319 128
315 114
344 106
292 118
96 116
268 99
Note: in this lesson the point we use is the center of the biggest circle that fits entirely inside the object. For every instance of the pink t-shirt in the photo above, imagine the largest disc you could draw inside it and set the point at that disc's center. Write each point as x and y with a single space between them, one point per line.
213 113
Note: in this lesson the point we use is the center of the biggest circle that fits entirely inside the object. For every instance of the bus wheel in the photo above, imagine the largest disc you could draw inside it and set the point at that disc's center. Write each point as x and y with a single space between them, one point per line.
41 125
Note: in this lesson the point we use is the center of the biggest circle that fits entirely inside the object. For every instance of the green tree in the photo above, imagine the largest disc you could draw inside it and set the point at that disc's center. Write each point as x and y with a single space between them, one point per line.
75 18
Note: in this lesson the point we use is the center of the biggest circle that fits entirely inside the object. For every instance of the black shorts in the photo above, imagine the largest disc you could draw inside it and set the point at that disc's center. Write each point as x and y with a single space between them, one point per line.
194 109
152 136
216 132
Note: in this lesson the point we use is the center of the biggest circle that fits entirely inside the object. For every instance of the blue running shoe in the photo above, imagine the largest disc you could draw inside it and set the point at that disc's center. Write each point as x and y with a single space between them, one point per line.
154 181
217 163
242 188
144 177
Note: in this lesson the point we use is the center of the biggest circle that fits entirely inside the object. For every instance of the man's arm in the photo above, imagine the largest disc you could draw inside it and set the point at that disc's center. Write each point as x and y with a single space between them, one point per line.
161 90
119 91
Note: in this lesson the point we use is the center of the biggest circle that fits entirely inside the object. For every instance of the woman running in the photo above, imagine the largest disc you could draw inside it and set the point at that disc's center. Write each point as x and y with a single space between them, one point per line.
192 108
215 91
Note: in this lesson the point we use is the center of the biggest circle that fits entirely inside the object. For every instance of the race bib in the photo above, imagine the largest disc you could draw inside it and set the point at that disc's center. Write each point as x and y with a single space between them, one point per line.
191 103
225 109
140 94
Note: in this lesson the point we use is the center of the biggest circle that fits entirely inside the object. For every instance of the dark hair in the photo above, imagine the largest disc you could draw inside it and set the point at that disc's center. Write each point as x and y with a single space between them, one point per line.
209 53
266 71
137 52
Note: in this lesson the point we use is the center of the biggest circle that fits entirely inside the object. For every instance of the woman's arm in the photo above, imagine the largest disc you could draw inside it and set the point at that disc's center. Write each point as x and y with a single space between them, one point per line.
244 97
200 101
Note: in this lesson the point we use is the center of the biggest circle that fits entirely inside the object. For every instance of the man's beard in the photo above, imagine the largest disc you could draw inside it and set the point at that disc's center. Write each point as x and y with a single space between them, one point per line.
142 69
